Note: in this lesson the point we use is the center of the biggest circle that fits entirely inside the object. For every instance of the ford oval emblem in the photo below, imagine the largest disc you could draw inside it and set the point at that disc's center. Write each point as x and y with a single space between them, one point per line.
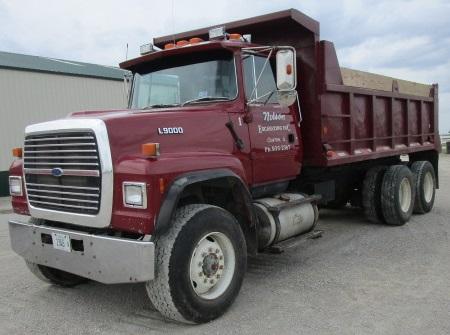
57 172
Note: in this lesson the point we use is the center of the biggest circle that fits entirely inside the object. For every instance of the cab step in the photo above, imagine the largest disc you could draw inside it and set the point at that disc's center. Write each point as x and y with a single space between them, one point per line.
280 247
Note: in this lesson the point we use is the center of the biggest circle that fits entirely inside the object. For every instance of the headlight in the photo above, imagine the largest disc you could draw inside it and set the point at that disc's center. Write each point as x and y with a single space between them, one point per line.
134 195
15 186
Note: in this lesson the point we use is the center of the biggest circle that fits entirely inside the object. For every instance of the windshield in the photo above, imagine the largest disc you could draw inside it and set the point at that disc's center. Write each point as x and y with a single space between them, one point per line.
185 79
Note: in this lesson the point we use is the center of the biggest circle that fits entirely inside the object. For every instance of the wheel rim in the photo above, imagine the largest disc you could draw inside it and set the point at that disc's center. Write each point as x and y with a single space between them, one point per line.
212 265
428 187
405 195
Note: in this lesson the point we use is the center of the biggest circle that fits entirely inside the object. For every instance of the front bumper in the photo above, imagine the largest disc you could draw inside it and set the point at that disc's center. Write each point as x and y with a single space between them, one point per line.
105 259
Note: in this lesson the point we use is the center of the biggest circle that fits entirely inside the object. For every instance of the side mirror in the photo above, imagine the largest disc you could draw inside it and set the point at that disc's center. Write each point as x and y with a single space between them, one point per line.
286 76
286 70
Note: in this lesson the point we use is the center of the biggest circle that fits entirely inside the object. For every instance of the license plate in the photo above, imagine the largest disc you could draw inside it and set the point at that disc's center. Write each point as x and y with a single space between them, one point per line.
61 242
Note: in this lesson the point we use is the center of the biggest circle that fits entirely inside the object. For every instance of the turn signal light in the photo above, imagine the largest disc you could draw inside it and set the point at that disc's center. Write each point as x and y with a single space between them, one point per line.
17 152
169 46
150 149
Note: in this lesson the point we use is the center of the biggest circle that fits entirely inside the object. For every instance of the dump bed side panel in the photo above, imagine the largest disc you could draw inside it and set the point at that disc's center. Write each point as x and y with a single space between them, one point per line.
362 123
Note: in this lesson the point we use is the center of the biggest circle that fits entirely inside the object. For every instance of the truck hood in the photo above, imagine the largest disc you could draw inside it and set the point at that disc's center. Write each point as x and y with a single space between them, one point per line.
178 130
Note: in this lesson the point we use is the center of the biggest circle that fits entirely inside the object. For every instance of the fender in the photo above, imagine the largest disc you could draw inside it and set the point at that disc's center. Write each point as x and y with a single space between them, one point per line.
177 187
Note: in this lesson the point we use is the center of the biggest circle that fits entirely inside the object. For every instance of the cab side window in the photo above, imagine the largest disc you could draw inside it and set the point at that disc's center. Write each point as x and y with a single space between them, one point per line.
266 86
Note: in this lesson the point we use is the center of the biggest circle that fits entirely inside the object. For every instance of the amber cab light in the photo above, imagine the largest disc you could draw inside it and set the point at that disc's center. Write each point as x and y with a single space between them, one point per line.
150 149
169 46
195 40
17 152
234 36
182 43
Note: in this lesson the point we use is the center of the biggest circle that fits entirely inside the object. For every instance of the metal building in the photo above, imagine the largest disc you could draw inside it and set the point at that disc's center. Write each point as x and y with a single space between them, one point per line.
36 89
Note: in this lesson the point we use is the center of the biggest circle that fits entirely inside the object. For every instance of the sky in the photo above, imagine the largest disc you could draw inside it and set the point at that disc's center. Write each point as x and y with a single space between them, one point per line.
408 39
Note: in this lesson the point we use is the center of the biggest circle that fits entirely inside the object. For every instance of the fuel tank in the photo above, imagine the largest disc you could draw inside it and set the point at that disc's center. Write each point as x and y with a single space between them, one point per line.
284 216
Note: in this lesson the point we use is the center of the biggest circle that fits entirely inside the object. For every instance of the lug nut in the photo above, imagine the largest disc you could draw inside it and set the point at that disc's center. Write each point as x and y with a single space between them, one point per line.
205 281
217 251
210 249
204 254
211 281
220 257
217 276
220 267
200 264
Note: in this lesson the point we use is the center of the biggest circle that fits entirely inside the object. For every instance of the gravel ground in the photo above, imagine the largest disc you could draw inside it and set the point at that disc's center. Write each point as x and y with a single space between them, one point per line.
359 278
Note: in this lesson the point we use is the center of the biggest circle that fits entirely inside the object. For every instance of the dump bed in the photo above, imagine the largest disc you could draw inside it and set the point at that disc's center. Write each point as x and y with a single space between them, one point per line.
348 115
367 116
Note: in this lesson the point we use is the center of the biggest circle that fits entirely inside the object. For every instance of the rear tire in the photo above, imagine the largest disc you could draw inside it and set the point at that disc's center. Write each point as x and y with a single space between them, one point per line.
371 194
200 265
397 195
55 276
425 179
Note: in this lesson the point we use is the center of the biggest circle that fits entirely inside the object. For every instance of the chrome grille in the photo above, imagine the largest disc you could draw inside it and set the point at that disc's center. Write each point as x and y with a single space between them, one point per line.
74 155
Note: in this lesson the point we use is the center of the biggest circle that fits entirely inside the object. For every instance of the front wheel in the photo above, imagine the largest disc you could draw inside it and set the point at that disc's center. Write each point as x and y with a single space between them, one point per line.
200 265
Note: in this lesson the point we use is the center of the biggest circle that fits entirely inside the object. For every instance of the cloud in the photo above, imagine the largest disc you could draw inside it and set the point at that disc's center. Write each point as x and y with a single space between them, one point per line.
409 39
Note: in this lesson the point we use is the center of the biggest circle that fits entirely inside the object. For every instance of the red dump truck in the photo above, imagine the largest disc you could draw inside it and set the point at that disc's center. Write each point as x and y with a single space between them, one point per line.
235 135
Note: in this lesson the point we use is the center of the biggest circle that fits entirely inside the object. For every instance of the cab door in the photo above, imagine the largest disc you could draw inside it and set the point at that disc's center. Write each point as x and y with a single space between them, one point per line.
273 130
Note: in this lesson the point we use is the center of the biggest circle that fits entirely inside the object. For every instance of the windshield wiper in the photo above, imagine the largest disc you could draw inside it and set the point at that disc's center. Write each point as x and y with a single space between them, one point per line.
160 106
205 99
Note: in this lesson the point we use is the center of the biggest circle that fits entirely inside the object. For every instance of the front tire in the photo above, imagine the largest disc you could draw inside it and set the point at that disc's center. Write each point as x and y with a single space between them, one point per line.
200 265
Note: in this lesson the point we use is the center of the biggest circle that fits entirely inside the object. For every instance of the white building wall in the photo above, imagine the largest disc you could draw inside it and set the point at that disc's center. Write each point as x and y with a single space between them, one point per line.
31 97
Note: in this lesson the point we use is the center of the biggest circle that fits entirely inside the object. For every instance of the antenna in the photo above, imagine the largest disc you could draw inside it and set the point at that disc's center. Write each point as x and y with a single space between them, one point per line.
126 54
173 22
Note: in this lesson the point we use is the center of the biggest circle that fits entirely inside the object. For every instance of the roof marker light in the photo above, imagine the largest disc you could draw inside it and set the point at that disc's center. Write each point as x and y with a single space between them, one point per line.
195 40
235 37
169 46
182 43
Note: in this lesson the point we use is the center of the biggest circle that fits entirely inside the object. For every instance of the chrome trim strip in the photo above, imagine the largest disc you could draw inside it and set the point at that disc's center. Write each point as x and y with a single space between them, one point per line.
61 198
106 259
60 157
65 186
103 218
62 205
82 173
62 164
60 145
60 138
57 151
62 192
